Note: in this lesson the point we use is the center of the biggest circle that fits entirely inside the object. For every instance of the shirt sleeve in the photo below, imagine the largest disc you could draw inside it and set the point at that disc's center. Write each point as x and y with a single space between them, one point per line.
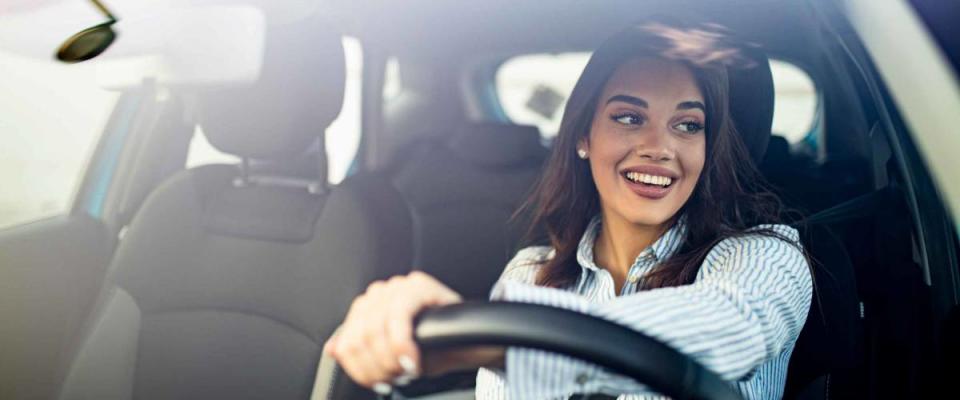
748 304
522 268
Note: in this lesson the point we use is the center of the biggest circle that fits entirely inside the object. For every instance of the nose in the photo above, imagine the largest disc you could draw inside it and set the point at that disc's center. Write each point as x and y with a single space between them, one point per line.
655 145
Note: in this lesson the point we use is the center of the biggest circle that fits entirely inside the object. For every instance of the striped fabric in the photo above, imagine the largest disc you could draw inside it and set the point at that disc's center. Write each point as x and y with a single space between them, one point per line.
740 318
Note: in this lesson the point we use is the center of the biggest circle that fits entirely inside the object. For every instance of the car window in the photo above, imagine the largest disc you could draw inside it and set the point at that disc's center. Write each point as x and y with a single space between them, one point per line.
342 137
53 114
533 89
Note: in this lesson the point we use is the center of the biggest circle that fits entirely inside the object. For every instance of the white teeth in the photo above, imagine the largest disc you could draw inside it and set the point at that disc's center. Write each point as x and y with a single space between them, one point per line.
649 179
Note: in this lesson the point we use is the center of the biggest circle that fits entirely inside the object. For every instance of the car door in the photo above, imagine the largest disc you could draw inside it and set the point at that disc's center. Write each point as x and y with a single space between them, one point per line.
910 58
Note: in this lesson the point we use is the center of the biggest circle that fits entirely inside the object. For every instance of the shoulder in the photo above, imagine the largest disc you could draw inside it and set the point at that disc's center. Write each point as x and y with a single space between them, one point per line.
762 256
525 264
761 241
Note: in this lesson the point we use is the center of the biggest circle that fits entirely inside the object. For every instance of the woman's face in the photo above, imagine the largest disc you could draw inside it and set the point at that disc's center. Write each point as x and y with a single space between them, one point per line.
647 142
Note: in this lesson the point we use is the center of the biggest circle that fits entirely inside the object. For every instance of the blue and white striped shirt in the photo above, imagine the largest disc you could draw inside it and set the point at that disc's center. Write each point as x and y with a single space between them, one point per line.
740 318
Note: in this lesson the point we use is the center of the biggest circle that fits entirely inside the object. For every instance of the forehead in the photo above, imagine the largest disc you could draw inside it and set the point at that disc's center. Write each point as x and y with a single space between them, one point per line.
653 79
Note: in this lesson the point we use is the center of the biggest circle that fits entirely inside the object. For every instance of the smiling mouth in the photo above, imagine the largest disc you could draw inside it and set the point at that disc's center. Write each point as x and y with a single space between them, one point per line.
648 180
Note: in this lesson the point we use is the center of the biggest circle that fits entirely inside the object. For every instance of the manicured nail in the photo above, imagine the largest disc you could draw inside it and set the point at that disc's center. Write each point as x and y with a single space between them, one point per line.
403 380
409 367
409 371
382 389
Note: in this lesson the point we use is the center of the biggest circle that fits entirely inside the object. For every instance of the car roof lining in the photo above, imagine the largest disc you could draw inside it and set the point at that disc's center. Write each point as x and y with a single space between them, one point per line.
439 29
434 34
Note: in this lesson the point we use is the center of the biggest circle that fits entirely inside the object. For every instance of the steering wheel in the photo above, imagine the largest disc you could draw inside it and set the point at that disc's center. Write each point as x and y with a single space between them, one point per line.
615 347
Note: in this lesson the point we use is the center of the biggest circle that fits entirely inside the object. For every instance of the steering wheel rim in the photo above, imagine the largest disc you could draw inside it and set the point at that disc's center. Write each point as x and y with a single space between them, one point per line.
585 337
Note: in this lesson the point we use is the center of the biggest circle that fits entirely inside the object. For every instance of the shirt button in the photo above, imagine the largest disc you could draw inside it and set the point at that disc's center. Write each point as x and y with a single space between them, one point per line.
582 379
634 279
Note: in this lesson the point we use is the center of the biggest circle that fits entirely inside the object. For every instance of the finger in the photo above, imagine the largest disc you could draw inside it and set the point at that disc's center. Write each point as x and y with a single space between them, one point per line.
426 291
331 342
349 352
357 360
400 338
366 355
431 291
352 365
381 297
376 330
400 326
329 345
370 363
387 366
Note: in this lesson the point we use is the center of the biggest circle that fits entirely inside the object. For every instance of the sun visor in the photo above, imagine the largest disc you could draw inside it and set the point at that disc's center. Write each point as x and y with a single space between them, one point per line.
202 46
178 47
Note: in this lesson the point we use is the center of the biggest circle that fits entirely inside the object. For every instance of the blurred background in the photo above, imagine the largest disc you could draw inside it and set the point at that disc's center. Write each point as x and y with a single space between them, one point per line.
53 113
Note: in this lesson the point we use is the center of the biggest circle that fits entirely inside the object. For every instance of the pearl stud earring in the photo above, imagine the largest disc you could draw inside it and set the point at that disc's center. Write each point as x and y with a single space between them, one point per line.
582 153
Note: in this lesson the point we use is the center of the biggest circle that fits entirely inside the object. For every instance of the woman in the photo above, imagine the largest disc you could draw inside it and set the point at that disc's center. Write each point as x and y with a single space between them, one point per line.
657 221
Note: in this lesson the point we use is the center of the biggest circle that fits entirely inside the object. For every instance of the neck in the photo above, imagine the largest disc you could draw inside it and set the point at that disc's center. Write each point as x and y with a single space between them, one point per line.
618 244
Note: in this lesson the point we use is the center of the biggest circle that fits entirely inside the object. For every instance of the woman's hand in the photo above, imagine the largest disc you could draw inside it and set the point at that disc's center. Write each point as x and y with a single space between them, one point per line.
374 345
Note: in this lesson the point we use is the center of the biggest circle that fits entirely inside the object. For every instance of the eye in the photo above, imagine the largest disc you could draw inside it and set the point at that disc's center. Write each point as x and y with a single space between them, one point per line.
689 127
627 118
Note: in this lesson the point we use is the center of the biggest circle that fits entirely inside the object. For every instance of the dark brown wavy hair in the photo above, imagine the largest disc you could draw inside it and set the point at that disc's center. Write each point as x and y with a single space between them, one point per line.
730 196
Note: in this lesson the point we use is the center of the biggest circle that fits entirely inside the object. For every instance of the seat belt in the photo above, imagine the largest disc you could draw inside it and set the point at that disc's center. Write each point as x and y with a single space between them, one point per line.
327 373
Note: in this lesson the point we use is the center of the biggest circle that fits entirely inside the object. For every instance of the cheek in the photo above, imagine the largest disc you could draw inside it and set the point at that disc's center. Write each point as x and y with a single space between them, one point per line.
694 160
606 151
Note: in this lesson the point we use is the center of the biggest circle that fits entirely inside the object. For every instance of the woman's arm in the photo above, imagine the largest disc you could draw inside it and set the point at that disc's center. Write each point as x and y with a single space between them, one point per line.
374 344
745 308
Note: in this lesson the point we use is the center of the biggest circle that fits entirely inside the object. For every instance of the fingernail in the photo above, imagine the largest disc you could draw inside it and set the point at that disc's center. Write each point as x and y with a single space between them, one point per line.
403 380
382 389
409 371
409 367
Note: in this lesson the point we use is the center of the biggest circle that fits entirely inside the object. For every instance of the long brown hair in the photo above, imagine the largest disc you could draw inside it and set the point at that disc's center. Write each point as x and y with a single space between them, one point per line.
729 198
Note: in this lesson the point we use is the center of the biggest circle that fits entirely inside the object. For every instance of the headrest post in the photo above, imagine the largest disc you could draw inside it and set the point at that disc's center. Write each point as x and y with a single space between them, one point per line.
245 170
321 185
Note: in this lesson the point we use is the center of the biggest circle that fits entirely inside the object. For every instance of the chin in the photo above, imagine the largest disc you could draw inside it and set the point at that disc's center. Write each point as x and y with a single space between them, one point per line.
648 218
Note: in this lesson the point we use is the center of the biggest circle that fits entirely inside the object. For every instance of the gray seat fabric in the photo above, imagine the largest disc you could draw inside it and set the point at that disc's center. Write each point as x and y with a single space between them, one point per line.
230 278
462 193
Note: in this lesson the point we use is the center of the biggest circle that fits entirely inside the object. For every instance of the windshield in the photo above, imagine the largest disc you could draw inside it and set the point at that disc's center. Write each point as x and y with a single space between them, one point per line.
53 114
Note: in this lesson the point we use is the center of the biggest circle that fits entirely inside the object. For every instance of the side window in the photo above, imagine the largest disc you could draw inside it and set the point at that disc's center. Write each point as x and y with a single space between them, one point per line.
342 137
796 101
533 89
53 115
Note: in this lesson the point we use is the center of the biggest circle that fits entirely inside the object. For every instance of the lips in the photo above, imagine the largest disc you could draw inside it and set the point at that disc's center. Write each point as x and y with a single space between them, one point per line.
648 191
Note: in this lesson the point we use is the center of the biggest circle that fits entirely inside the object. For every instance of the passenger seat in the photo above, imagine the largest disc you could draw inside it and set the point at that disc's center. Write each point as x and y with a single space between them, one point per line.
462 193
231 277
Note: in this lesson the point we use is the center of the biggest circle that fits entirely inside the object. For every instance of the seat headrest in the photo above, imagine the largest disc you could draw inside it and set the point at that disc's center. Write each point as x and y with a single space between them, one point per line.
751 103
492 144
298 94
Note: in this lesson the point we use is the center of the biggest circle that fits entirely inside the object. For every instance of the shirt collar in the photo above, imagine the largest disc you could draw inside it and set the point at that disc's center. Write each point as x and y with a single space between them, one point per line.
661 249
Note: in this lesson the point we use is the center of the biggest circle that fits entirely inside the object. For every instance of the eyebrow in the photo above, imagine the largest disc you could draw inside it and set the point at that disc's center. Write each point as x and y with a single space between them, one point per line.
686 105
689 105
630 100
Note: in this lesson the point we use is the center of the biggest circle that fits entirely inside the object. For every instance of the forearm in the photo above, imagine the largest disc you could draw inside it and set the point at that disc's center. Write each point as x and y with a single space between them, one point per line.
738 315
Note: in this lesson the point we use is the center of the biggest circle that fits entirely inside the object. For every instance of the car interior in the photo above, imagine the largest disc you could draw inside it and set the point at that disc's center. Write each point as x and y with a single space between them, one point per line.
224 280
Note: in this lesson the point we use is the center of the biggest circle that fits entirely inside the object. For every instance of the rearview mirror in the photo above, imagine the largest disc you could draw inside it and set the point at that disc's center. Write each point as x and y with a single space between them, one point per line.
89 42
